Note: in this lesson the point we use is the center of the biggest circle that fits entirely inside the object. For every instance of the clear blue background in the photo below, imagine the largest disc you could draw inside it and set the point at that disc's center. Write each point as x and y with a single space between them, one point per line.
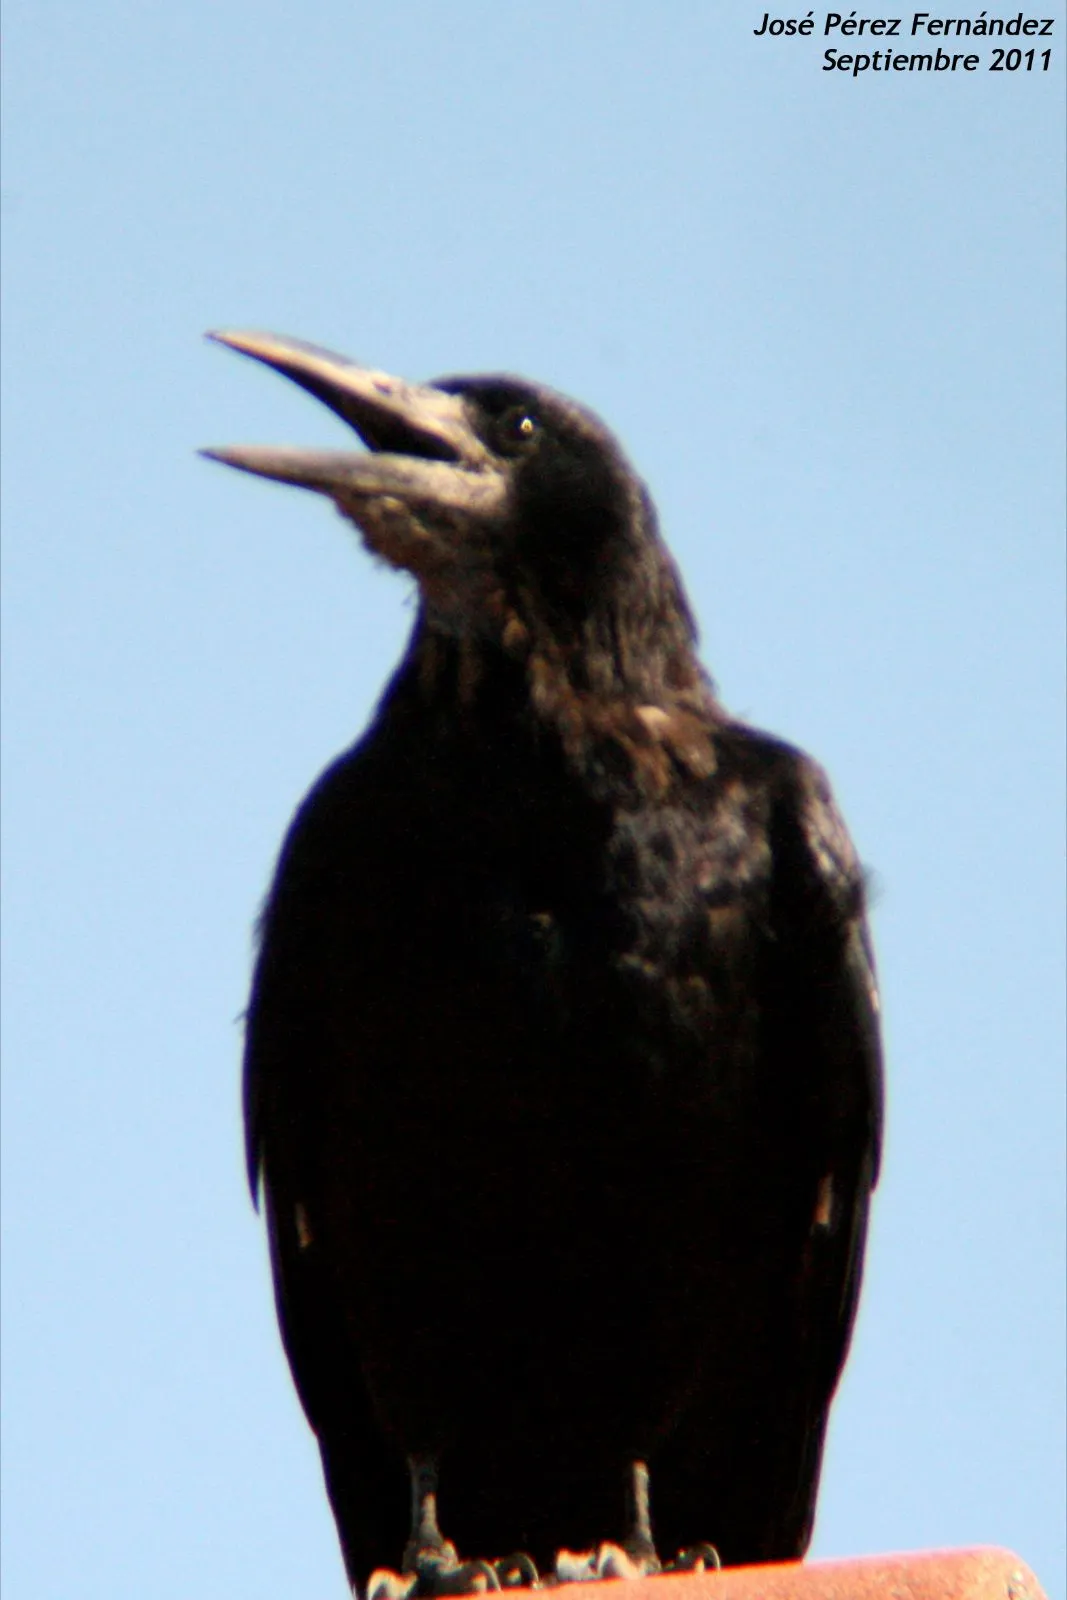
826 317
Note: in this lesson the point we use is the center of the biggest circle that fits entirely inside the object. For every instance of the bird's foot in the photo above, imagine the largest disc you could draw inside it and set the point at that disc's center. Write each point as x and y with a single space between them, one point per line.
517 1572
641 1561
385 1584
437 1570
605 1561
696 1558
431 1564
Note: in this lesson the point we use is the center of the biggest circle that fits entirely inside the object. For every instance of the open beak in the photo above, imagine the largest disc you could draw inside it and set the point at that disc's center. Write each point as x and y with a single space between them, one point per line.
425 464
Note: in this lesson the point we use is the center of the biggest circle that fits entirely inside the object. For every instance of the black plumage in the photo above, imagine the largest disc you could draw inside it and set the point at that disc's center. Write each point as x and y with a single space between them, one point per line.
563 1079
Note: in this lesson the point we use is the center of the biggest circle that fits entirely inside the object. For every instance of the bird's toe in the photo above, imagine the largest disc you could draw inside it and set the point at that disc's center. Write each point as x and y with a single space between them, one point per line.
445 1574
383 1584
605 1561
695 1558
437 1570
518 1571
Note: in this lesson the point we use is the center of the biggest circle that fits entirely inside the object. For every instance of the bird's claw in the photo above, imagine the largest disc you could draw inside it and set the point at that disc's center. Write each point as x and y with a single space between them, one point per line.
429 1573
384 1584
518 1571
605 1561
447 1575
439 1572
467 1577
696 1558
615 1561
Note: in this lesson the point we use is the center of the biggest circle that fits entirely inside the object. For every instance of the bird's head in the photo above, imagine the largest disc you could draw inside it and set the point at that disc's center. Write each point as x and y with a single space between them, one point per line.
514 508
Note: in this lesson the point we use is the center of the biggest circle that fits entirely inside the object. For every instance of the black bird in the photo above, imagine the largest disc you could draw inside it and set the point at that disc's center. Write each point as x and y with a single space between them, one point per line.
562 1077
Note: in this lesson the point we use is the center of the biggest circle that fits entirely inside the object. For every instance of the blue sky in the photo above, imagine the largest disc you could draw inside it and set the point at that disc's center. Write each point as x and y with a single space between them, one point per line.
826 316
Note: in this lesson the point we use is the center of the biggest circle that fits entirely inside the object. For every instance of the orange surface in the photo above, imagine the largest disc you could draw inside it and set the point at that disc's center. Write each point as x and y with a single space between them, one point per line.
982 1574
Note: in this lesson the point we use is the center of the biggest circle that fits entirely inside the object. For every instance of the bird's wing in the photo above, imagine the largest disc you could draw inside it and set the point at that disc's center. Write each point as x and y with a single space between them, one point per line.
831 1013
286 1037
284 1022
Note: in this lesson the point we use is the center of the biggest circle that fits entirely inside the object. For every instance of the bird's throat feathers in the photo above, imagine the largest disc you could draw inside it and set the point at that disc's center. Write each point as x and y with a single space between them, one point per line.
618 715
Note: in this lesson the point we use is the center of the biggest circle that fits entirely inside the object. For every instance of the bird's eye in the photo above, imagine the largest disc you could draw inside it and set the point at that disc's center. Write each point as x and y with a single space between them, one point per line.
517 428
